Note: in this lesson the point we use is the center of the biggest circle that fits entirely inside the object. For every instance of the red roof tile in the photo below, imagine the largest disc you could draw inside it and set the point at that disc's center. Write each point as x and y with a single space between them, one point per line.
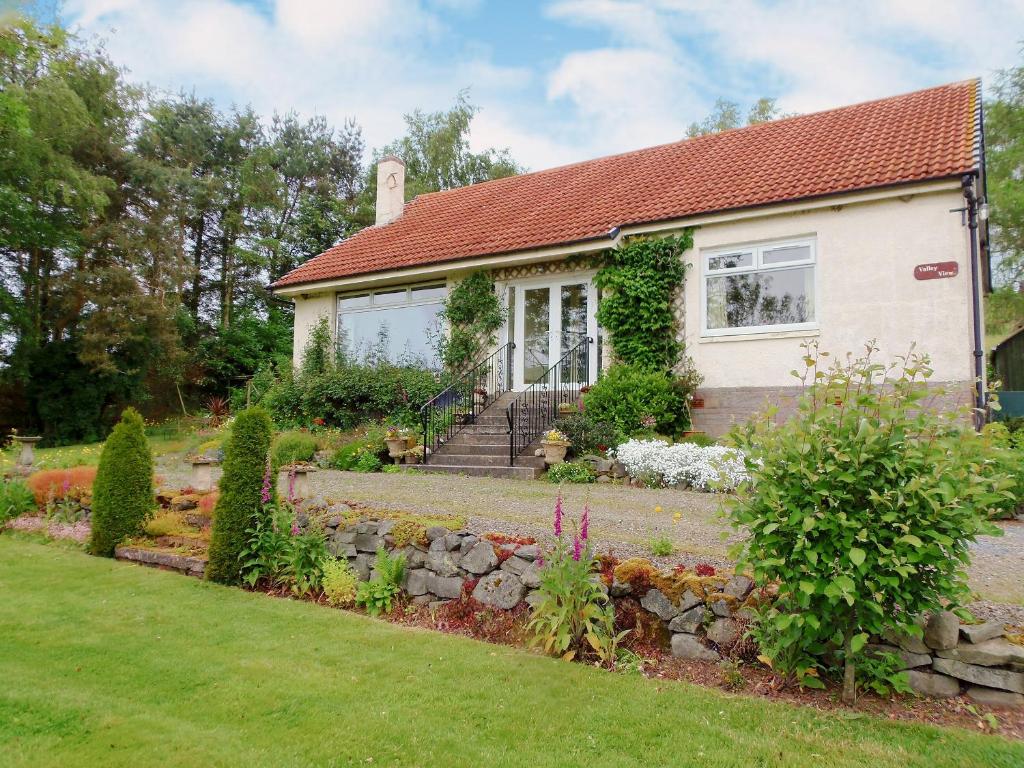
928 134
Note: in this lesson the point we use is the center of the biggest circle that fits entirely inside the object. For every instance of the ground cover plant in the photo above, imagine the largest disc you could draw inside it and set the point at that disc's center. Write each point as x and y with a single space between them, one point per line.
292 447
174 669
702 468
122 493
862 508
16 499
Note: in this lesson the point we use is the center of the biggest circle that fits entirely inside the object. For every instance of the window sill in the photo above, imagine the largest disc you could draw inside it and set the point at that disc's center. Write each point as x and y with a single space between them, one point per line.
755 335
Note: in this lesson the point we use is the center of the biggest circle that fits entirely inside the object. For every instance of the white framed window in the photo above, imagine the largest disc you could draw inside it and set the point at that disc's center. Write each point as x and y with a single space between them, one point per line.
396 324
758 288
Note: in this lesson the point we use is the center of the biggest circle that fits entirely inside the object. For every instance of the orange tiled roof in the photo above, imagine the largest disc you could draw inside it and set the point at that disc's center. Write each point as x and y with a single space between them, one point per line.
929 134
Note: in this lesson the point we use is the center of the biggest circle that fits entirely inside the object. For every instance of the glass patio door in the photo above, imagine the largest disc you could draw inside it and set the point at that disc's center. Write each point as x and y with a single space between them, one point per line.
548 318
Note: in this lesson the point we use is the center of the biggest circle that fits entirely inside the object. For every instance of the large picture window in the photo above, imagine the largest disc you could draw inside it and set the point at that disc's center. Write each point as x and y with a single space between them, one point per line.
766 287
394 324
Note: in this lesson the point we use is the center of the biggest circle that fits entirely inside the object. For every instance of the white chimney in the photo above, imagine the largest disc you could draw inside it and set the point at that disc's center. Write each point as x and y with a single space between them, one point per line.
390 189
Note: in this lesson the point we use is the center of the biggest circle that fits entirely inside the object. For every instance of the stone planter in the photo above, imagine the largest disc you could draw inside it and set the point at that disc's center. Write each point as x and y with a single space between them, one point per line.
27 457
412 458
554 451
202 473
567 409
396 447
302 472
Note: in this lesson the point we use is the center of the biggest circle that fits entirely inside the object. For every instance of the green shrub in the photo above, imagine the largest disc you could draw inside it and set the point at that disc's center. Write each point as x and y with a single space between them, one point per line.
378 594
587 434
245 462
1002 454
367 462
122 493
363 455
16 499
572 472
661 546
699 439
473 314
862 508
339 582
635 401
291 447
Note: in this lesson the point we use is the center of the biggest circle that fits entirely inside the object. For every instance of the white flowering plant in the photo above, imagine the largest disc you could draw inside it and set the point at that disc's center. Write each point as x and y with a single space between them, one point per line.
704 468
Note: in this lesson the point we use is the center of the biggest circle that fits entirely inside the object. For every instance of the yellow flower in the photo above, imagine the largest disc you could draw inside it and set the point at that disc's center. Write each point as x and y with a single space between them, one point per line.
658 510
677 516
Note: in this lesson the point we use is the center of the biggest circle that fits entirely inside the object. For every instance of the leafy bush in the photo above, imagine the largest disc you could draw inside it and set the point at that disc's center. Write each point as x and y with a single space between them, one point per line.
339 582
371 443
292 447
640 281
306 556
367 462
572 472
574 616
122 493
277 553
699 438
862 508
714 468
661 546
16 499
587 434
245 463
50 484
635 401
378 594
1002 454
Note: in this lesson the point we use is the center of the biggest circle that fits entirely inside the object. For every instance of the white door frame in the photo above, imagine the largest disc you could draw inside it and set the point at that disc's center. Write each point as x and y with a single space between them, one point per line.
553 282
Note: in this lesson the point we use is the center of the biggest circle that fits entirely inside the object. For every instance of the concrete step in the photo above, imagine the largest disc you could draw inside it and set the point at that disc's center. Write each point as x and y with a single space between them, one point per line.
484 429
471 459
475 449
516 472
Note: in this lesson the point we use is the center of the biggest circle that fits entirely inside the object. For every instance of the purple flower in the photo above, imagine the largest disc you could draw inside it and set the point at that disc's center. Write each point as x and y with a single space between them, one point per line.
577 548
540 562
265 492
295 528
585 522
558 515
291 485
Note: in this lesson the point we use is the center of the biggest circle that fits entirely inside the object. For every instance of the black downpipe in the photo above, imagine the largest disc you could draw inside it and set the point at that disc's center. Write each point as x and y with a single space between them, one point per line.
967 182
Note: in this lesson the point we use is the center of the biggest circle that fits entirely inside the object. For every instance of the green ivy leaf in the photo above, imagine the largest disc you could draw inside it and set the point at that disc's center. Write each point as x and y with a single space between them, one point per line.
857 556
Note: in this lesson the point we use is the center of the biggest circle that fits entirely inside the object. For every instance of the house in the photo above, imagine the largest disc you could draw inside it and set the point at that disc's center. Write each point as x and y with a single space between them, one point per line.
862 221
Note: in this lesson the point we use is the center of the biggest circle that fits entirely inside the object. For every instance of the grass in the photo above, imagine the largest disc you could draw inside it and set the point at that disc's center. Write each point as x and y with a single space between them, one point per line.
109 664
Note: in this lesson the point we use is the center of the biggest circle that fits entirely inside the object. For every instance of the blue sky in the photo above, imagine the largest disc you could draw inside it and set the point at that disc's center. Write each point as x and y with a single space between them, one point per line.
558 80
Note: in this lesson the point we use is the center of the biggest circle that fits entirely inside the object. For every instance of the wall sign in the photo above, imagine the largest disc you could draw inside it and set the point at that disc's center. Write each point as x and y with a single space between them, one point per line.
936 271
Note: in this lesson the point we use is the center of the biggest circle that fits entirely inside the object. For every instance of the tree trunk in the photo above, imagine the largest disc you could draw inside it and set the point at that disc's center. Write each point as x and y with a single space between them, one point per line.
849 674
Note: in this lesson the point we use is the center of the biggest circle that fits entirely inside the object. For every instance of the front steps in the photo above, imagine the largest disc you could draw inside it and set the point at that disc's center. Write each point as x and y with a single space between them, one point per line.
481 449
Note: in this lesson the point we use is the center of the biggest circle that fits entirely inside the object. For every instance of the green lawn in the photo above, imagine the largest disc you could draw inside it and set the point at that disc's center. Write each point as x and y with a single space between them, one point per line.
104 663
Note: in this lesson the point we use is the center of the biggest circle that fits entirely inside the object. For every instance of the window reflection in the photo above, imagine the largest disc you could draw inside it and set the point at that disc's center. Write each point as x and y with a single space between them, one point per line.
396 326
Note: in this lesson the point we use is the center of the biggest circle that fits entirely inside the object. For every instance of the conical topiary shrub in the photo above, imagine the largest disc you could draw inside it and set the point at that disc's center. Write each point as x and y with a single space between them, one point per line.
122 494
245 460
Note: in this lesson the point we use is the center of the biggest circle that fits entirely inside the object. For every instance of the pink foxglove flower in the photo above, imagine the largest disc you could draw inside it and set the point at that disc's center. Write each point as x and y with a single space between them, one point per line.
265 491
577 548
291 485
295 529
558 515
585 522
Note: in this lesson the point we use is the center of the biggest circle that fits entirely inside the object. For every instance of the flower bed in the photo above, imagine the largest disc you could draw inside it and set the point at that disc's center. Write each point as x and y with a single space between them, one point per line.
703 468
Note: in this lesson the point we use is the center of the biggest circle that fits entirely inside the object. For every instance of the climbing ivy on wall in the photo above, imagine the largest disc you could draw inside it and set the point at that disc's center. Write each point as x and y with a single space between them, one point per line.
473 314
639 281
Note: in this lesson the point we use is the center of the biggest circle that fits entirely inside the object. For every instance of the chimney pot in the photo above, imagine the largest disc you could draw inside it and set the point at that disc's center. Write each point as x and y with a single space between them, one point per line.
390 189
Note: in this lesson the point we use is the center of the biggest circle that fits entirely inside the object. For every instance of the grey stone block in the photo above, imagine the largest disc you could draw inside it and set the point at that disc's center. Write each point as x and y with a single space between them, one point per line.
942 630
417 581
688 601
527 571
936 686
686 646
656 602
528 552
436 532
500 589
721 608
443 563
368 542
989 677
688 621
724 632
739 586
480 558
444 586
991 653
991 697
979 633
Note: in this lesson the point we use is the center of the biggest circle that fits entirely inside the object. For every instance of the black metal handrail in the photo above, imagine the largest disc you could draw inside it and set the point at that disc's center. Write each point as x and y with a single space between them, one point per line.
462 401
536 408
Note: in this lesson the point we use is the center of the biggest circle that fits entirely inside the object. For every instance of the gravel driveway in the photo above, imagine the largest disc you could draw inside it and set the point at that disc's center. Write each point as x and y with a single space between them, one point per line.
627 518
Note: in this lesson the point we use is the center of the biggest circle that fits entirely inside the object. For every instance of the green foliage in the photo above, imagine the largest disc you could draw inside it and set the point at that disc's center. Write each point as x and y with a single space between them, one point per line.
1004 159
661 546
883 674
378 594
339 582
291 447
574 617
862 508
571 472
726 116
640 281
367 452
318 354
473 315
245 462
122 493
700 439
636 401
16 499
587 434
367 462
1001 455
276 553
